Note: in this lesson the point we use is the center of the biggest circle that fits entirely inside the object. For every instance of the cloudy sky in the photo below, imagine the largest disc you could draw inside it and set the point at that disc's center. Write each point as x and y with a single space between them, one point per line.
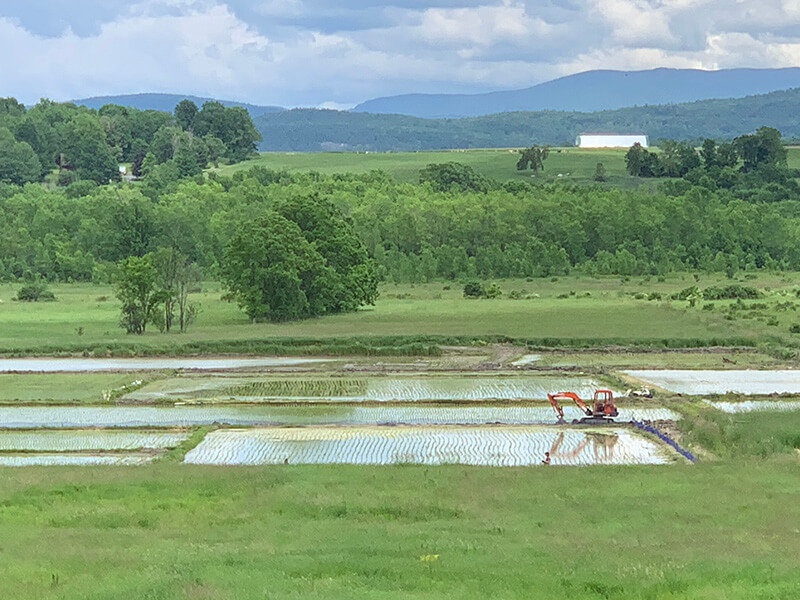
340 52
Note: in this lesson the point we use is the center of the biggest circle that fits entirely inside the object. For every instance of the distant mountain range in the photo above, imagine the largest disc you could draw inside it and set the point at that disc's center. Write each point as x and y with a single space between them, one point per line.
662 103
592 91
167 102
306 130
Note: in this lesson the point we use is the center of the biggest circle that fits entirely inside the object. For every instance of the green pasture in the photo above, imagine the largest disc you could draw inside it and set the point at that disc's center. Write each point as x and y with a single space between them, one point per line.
86 316
711 531
573 165
64 387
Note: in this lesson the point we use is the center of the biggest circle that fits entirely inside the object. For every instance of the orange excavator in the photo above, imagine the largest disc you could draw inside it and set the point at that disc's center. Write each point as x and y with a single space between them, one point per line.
600 413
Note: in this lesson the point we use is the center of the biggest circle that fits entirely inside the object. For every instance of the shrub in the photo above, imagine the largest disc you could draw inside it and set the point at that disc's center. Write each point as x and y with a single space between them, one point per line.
35 292
474 289
685 293
730 292
493 291
515 295
794 328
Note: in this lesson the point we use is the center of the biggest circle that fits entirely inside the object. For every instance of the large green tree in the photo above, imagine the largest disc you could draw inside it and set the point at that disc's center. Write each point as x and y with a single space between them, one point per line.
763 148
533 158
333 236
137 290
18 162
274 273
84 149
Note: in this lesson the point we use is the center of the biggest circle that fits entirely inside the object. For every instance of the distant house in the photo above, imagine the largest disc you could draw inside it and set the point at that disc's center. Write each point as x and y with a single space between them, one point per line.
610 140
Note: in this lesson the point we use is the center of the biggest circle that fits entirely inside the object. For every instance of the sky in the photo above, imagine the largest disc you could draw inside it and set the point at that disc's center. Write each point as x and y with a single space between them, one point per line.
337 53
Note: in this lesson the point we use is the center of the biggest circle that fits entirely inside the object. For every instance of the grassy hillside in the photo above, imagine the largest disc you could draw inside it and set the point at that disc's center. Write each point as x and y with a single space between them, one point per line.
320 130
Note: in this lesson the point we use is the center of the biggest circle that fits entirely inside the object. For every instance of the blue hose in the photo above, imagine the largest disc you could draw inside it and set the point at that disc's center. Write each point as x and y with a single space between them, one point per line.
666 439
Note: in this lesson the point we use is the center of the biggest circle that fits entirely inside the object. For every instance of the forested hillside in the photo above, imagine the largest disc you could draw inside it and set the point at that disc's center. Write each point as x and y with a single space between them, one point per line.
326 130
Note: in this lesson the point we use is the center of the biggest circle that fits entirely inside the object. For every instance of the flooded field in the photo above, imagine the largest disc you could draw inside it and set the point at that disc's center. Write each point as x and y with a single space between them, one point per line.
747 406
67 459
697 383
490 446
77 441
12 417
62 365
374 389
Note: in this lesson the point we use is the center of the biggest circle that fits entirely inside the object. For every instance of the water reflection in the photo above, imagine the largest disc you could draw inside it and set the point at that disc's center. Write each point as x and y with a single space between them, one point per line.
600 445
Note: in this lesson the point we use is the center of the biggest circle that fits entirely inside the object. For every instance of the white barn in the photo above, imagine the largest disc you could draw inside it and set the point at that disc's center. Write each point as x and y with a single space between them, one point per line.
610 140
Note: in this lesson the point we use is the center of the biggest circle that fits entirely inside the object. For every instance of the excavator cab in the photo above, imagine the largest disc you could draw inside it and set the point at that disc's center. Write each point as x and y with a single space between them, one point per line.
604 405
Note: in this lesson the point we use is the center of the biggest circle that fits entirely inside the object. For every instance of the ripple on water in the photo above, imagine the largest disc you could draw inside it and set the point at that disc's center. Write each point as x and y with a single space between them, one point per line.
495 446
16 417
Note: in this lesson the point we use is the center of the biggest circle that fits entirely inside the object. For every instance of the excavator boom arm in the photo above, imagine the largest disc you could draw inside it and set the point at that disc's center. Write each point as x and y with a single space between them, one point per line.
554 400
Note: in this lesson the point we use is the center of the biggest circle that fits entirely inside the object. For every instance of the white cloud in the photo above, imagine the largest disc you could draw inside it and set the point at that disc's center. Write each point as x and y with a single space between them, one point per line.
315 53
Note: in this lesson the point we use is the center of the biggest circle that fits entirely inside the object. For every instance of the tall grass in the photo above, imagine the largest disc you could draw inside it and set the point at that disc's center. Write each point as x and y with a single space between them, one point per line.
736 436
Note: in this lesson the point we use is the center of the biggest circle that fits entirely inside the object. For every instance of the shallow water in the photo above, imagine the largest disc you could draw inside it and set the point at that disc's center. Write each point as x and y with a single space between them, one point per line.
65 459
12 417
496 446
696 383
526 359
375 389
55 365
756 406
72 441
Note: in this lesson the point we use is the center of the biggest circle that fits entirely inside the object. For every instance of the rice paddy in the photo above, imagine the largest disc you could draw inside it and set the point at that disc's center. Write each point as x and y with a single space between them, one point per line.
64 459
81 441
696 383
59 417
84 448
492 446
747 406
375 389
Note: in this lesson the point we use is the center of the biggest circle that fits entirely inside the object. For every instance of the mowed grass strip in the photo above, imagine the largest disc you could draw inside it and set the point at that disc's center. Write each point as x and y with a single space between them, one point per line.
177 531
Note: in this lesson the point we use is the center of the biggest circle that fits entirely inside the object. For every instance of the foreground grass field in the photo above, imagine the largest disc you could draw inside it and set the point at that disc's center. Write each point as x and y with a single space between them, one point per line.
605 309
171 531
574 165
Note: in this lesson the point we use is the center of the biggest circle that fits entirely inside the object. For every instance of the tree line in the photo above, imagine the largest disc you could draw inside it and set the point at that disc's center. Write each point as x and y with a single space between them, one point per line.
77 144
413 232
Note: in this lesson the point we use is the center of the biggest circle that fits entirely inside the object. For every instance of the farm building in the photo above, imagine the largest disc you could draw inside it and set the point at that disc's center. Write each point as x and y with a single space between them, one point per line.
610 140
